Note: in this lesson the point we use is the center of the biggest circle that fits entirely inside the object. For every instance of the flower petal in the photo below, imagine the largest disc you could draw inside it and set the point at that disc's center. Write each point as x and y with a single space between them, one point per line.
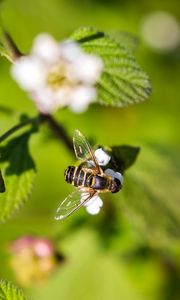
43 247
70 51
87 68
46 48
94 205
29 72
81 98
102 157
44 100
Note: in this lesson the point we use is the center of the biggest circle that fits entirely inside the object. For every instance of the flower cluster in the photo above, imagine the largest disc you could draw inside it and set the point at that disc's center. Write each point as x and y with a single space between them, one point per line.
94 205
33 259
58 75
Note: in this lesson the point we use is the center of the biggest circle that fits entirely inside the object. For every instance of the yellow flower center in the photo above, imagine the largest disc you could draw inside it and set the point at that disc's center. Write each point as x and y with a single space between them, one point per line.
57 76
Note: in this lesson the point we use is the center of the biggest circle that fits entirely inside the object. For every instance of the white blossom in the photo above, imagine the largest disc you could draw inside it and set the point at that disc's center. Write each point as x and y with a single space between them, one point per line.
94 205
58 75
102 157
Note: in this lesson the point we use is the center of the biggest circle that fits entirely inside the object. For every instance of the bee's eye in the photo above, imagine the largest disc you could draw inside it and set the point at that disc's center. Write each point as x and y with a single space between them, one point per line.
115 186
117 181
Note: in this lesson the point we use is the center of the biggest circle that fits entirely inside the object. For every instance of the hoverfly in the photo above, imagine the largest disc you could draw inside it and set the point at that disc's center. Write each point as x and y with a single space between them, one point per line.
88 178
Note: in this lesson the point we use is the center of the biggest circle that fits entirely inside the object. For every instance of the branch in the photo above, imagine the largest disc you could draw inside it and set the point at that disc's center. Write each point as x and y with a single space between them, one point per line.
15 52
60 132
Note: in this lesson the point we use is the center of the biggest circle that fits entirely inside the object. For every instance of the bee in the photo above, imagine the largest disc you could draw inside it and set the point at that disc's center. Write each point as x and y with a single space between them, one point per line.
88 178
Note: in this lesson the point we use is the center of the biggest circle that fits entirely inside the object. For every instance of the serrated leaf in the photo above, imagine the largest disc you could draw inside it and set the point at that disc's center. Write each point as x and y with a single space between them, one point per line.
8 291
125 39
122 82
19 173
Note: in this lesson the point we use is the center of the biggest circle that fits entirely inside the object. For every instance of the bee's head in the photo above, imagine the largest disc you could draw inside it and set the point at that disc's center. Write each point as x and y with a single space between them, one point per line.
115 185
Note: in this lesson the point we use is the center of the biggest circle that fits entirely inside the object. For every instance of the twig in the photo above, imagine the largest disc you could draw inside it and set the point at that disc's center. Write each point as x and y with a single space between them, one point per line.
15 52
60 132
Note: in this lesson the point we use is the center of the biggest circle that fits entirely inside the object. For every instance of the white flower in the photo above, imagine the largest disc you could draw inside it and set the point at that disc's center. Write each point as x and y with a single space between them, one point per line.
57 75
94 205
102 157
81 98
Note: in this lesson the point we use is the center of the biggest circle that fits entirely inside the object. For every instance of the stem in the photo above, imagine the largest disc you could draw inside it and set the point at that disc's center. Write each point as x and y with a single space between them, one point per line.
60 132
15 52
18 126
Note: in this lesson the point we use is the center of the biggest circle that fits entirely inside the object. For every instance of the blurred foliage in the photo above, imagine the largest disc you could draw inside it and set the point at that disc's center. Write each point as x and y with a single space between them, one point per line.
132 248
8 291
156 196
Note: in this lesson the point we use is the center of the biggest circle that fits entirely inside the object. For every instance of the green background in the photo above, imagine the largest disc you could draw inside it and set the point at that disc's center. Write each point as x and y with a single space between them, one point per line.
131 249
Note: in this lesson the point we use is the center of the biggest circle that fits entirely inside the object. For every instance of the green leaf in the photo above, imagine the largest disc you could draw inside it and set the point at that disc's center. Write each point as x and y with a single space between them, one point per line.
122 157
9 291
122 82
125 39
2 184
19 172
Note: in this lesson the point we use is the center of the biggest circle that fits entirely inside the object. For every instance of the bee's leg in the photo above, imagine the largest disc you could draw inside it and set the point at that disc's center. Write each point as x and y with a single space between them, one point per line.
101 172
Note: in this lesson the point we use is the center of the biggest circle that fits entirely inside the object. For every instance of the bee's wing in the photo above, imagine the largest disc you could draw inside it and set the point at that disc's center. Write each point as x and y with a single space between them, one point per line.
83 149
72 203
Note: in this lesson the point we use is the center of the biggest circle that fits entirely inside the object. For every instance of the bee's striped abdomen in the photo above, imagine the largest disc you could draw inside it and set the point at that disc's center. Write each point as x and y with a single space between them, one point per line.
81 177
78 177
75 175
77 172
69 174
